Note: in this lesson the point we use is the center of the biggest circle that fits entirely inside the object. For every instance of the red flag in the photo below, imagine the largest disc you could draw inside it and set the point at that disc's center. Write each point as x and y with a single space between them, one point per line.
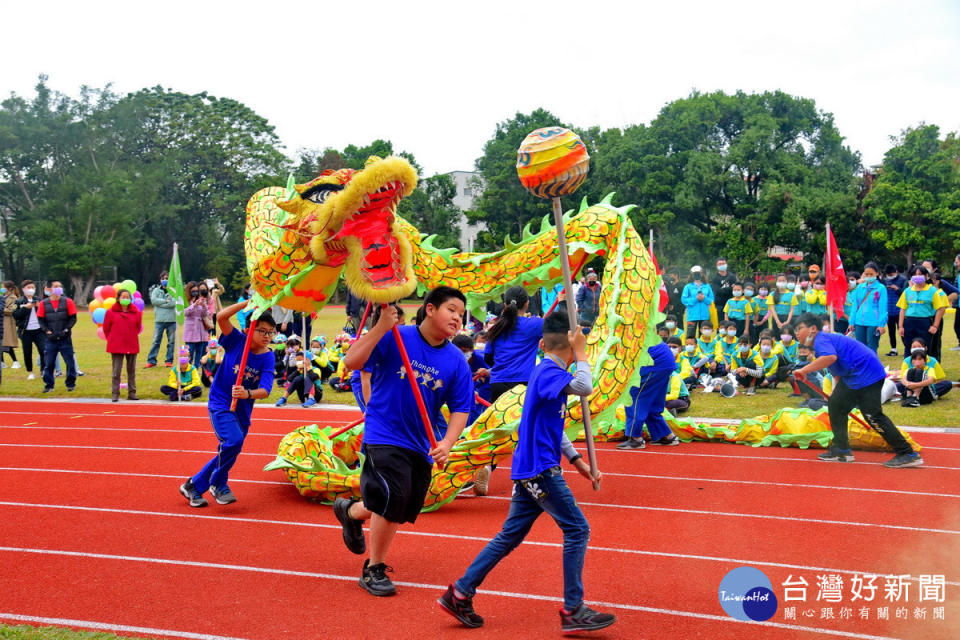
664 296
835 276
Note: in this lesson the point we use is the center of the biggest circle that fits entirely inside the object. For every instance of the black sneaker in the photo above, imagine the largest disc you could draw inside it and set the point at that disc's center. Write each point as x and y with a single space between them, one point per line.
891 353
910 401
223 496
194 497
374 579
632 443
352 529
47 389
904 461
583 618
667 441
460 608
836 455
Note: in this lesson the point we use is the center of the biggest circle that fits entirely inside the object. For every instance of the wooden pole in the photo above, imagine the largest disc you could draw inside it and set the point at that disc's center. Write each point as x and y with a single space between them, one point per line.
572 314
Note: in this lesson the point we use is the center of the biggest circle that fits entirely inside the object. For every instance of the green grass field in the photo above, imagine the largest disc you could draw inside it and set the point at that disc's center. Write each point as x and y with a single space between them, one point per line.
96 383
22 632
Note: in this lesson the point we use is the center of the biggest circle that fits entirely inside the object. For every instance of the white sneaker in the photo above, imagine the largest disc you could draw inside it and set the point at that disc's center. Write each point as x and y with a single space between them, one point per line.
16 364
31 377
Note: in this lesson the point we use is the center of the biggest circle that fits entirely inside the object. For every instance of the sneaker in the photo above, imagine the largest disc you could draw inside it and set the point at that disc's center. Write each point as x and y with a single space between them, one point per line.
632 443
133 397
281 402
47 389
751 391
374 579
352 529
80 374
150 365
836 455
583 618
71 388
58 374
805 404
167 364
956 348
16 364
466 487
194 497
904 460
892 352
668 441
31 377
223 496
910 401
115 399
481 481
309 402
460 608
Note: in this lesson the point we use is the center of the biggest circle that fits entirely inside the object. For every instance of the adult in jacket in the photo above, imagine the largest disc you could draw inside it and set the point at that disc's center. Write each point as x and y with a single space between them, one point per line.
697 297
122 325
164 322
869 308
28 326
56 315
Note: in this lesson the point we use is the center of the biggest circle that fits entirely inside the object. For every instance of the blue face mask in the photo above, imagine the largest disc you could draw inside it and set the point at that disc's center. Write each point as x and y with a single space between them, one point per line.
869 279
163 282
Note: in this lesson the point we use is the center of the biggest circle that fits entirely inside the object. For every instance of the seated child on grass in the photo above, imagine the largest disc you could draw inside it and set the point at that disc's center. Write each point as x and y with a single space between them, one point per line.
190 384
747 366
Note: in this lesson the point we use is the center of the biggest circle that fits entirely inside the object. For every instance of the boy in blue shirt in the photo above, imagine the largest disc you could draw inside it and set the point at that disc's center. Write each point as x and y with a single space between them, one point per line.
231 426
538 482
649 400
859 377
399 461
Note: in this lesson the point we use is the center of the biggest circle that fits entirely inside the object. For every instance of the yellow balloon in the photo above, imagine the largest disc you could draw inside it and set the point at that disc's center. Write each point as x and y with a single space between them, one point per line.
109 302
94 305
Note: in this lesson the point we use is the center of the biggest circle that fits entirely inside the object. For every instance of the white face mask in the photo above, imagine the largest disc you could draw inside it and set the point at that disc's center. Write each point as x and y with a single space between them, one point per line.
765 349
731 332
764 292
737 293
689 348
721 268
674 350
466 355
706 333
744 348
782 285
29 291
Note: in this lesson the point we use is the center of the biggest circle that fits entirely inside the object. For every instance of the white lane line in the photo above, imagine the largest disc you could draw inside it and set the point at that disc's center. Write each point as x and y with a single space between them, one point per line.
439 588
568 472
453 536
660 452
150 430
761 516
108 626
766 483
67 447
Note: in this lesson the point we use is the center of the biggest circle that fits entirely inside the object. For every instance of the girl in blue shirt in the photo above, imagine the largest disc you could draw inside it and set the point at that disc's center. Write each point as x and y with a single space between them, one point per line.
869 308
512 344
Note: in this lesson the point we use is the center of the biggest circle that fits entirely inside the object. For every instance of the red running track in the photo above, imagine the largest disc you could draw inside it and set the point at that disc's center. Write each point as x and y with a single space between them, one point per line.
94 534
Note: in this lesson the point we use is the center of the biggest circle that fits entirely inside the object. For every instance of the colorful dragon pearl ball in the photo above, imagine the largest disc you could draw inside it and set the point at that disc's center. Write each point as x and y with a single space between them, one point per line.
552 162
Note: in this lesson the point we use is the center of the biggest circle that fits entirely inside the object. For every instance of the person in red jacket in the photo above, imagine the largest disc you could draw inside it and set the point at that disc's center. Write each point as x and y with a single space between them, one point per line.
122 326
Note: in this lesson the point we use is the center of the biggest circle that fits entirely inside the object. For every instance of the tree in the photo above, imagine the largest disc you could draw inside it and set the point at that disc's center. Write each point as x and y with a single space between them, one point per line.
505 206
430 208
914 205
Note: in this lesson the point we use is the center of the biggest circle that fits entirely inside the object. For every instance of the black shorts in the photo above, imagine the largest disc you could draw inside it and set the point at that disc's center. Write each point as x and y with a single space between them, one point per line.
394 482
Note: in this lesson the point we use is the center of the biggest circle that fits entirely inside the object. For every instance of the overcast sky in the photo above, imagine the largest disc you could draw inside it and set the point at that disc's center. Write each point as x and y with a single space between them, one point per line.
436 77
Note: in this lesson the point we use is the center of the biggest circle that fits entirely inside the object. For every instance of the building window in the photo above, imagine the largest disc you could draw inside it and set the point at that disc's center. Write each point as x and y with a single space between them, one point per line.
467 191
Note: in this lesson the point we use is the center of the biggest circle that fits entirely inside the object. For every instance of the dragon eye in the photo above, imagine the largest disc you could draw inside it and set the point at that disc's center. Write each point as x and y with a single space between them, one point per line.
320 193
319 197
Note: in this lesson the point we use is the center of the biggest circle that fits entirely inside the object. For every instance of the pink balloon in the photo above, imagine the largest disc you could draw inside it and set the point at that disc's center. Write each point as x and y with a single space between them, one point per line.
138 303
101 334
98 293
136 294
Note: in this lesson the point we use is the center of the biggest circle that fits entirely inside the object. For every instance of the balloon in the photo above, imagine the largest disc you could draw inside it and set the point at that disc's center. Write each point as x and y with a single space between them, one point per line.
137 294
98 293
138 303
109 302
552 162
127 285
106 291
94 305
99 315
101 334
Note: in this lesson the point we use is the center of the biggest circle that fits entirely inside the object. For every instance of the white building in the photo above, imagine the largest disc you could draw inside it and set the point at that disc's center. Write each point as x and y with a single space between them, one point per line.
467 193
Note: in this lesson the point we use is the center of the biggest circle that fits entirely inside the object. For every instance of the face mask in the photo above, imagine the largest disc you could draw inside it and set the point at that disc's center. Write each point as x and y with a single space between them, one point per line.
804 285
919 280
785 337
164 282
764 292
809 340
818 287
706 333
731 332
29 292
194 294
670 324
722 268
124 302
3 291
184 360
46 292
781 284
744 348
870 279
466 355
674 350
203 292
697 277
748 293
851 284
58 291
765 349
737 293
689 348
791 284
826 328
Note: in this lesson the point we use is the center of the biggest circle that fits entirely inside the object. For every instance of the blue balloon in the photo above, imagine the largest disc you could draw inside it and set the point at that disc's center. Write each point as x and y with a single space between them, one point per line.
99 315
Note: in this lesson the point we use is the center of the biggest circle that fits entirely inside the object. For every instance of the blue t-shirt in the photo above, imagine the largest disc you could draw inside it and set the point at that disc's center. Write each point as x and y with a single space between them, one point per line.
856 364
541 423
392 416
258 374
481 387
514 353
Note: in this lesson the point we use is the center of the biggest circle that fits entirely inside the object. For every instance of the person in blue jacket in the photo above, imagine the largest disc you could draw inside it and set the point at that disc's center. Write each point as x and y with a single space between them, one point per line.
858 379
869 308
895 283
648 401
697 297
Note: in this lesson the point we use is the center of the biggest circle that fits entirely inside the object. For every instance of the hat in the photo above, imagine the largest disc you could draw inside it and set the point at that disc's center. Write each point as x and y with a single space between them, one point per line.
591 274
814 267
213 344
695 268
293 340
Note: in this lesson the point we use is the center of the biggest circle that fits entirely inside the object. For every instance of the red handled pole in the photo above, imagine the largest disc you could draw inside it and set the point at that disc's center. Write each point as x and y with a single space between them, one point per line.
346 428
363 320
414 386
243 361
